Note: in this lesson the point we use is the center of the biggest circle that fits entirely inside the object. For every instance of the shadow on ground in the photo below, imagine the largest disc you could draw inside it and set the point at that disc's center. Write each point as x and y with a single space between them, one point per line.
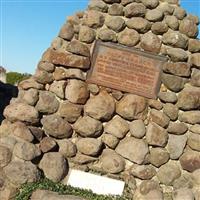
7 92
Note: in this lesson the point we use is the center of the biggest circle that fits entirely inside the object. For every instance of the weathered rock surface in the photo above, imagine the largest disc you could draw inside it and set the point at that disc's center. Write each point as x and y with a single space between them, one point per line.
58 88
133 149
134 10
177 128
86 34
194 141
110 140
171 111
88 127
57 127
100 107
137 128
116 24
195 60
5 156
54 166
191 117
183 194
47 144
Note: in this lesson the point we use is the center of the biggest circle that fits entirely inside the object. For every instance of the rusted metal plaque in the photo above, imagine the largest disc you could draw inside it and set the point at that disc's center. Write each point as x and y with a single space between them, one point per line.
126 69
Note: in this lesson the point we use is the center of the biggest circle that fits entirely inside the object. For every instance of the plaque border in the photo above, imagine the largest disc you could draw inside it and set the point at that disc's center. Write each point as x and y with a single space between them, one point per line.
99 43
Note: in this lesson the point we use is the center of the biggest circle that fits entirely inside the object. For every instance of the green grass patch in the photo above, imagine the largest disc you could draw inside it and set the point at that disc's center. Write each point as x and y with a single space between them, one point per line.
45 184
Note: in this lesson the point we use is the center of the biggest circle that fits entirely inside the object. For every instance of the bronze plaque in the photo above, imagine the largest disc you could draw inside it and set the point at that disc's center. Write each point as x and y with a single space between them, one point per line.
126 69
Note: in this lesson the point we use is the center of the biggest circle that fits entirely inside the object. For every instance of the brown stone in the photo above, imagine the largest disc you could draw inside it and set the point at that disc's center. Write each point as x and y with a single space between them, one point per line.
194 141
139 24
177 54
134 10
178 69
54 166
128 37
150 3
76 91
156 135
171 111
47 144
98 5
78 48
71 112
46 66
159 28
155 104
100 107
116 9
82 159
195 79
89 146
55 126
194 45
177 128
188 28
168 97
93 19
158 156
29 96
58 88
195 128
67 31
111 162
189 98
110 140
133 149
86 34
137 128
88 127
190 160
47 103
172 22
117 24
143 172
21 112
106 34
179 12
168 173
5 156
66 59
195 60
30 83
154 15
43 77
173 83
117 127
132 107
38 133
151 42
191 117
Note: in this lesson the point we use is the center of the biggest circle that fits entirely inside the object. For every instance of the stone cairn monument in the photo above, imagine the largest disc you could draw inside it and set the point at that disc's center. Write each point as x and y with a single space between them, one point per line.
60 121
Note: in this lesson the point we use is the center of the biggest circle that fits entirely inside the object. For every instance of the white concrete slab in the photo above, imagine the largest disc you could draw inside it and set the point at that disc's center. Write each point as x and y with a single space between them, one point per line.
98 184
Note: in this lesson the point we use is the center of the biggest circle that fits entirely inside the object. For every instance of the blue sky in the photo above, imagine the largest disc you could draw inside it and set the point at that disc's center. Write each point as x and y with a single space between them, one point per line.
29 26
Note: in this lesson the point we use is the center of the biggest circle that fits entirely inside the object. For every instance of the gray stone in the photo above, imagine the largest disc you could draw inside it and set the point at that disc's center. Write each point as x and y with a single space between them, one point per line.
58 88
143 172
132 107
116 9
193 18
137 128
171 111
178 68
194 141
86 34
67 148
93 19
67 31
156 135
26 151
47 103
19 172
100 107
177 54
168 97
176 145
151 42
117 24
128 37
106 35
89 146
134 10
188 28
154 15
159 118
168 173
21 112
158 156
191 117
110 140
71 112
88 127
177 128
139 24
173 83
5 156
111 162
117 127
133 149
55 126
172 22
54 166
76 91
190 160
195 79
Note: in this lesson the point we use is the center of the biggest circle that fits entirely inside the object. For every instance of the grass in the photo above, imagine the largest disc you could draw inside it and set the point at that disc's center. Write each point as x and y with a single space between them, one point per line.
45 184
